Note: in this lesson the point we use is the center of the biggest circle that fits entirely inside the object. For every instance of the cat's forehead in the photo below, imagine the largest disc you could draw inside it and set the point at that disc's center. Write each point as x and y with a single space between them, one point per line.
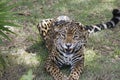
69 27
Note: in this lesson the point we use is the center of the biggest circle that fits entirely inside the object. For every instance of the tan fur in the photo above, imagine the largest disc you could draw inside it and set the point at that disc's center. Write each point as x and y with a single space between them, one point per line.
50 35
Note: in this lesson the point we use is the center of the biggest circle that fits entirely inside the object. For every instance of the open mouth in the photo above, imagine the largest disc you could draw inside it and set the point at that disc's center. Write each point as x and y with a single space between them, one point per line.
68 51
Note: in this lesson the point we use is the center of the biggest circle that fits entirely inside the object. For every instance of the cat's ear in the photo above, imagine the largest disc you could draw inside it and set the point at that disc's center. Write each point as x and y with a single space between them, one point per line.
44 26
80 26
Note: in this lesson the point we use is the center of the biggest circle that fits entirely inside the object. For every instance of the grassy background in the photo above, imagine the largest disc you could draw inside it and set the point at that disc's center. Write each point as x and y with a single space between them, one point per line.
23 58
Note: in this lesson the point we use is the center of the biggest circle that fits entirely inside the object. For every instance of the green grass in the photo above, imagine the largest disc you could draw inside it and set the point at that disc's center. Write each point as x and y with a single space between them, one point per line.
102 55
6 19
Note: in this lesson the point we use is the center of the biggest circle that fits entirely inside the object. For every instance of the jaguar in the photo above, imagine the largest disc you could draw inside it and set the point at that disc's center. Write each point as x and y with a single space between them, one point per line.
65 40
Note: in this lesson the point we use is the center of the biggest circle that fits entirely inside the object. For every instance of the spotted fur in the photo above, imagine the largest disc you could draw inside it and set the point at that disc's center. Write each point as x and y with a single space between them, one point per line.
66 40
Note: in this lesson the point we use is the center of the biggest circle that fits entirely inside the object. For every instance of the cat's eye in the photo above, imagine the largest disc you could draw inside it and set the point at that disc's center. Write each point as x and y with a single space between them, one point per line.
76 37
62 35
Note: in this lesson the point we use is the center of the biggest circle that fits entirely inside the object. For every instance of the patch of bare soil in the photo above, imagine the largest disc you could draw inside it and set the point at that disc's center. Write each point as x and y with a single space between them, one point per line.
13 72
15 49
26 38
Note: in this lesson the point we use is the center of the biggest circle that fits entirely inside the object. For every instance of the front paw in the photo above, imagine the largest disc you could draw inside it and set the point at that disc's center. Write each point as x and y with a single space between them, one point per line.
73 78
65 77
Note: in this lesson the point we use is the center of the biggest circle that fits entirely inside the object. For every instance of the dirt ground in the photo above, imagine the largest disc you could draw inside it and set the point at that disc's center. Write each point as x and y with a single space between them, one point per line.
26 50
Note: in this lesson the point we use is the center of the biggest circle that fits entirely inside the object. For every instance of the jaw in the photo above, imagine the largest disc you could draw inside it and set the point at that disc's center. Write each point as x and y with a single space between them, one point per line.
71 50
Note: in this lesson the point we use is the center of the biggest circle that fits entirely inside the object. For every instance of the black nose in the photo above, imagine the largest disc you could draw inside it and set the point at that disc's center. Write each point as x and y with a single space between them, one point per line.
68 45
